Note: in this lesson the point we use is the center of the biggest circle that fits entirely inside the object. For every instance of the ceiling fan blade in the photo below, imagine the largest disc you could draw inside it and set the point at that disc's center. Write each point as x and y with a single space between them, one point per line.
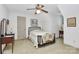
30 9
42 6
44 11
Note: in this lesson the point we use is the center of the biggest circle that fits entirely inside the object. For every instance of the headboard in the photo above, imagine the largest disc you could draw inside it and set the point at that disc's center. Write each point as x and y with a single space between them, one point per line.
33 28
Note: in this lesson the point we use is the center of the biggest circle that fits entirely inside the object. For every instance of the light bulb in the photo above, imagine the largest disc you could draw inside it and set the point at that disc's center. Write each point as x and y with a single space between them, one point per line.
38 11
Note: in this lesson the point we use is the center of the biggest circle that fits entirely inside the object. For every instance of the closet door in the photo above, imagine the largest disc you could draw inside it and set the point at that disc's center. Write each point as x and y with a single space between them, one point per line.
21 27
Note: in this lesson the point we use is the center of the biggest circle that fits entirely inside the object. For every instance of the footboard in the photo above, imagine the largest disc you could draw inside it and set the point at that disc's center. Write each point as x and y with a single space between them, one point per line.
40 41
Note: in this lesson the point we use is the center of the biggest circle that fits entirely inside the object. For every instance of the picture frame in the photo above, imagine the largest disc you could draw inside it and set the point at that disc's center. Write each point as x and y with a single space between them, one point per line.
34 22
71 22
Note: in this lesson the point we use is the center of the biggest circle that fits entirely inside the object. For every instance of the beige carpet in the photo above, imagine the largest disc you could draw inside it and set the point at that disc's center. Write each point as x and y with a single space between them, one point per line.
26 47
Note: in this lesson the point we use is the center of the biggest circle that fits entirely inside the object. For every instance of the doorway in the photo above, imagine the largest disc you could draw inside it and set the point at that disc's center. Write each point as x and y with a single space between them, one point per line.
21 27
61 24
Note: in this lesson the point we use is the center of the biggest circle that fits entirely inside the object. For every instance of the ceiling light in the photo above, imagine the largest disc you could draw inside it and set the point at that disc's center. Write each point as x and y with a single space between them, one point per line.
38 11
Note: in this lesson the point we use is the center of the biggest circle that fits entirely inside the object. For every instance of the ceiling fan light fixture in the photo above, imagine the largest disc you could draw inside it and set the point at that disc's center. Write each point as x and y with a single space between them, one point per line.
38 11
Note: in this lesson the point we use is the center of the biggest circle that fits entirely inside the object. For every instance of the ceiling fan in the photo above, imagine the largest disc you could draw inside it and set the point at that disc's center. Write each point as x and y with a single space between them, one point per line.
38 9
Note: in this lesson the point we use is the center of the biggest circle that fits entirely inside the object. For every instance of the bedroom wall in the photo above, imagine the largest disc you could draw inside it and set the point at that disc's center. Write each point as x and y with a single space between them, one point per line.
71 34
60 21
3 12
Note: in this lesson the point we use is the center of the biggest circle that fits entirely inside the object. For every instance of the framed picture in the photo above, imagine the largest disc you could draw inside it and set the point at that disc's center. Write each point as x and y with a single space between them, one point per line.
34 22
71 22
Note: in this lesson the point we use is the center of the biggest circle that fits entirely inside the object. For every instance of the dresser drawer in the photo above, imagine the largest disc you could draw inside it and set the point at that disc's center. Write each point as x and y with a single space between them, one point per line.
7 40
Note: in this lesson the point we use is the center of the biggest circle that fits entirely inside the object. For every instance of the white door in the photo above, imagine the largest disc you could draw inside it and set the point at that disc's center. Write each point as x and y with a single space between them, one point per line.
21 27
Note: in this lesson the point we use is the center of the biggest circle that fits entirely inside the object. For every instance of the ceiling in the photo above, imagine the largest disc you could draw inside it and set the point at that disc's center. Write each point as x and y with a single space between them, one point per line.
51 8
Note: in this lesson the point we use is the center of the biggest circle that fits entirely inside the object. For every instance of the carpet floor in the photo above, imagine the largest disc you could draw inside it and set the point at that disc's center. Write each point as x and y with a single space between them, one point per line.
25 46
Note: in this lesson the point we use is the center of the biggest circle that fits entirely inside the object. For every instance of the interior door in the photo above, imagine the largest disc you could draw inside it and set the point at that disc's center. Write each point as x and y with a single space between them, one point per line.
21 27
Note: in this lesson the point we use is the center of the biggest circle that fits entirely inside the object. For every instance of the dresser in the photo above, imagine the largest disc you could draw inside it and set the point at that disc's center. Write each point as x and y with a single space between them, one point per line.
8 38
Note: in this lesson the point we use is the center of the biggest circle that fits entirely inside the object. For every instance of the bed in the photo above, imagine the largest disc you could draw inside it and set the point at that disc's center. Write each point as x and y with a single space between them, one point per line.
40 37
